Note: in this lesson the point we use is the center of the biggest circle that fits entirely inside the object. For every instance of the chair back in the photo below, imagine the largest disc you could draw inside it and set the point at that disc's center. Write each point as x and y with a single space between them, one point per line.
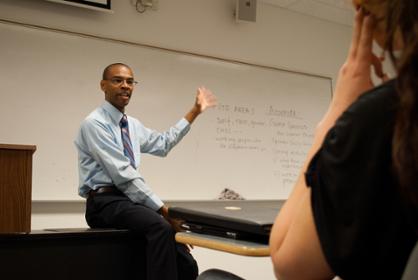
411 269
217 274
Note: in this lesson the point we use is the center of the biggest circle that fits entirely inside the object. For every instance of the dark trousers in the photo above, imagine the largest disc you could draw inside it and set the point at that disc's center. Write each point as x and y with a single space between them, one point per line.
166 259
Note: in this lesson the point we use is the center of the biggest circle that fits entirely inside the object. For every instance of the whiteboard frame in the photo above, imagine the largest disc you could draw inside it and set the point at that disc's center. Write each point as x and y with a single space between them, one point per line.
174 51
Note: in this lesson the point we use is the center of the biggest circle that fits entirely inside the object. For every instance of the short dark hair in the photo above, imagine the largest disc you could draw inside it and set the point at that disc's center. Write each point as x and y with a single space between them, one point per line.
107 69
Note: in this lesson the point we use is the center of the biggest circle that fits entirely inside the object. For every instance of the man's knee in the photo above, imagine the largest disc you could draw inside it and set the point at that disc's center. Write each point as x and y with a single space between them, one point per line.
162 228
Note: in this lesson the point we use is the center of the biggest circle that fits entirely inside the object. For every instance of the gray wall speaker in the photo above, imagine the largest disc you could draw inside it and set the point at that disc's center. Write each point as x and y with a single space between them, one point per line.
246 10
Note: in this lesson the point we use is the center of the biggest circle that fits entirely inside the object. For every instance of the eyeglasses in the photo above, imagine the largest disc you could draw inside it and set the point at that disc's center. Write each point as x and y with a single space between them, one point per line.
119 81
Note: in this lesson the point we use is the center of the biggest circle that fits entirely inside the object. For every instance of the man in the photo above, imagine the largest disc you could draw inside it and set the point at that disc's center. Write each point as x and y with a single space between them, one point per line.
109 145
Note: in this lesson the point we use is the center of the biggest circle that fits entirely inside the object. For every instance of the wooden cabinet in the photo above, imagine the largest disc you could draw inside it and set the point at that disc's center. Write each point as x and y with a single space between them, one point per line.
15 187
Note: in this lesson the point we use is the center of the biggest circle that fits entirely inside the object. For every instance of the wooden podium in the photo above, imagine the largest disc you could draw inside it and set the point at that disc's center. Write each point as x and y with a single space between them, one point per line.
15 188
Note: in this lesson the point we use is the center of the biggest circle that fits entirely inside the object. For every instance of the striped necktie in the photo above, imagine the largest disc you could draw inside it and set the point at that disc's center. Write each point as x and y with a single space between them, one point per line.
127 145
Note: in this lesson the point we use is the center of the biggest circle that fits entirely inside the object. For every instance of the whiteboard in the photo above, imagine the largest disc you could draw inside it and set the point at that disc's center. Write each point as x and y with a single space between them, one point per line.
254 142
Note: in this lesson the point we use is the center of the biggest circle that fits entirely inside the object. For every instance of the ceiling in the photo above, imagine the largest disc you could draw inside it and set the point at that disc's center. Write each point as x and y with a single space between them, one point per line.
338 11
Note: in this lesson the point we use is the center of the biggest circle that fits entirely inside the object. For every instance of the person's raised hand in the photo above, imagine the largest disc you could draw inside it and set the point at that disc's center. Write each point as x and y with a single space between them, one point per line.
205 99
355 75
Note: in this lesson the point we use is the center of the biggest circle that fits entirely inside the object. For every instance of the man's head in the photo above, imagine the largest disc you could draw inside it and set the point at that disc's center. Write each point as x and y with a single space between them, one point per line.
117 83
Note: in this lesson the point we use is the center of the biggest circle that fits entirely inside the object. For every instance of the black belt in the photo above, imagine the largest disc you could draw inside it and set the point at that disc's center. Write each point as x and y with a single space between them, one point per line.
105 189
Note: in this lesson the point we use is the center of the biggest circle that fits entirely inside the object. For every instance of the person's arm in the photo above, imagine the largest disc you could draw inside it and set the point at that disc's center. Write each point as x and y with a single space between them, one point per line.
160 143
294 244
204 99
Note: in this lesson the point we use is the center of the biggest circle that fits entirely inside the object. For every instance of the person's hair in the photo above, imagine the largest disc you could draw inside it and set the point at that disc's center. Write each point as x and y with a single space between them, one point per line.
107 69
402 20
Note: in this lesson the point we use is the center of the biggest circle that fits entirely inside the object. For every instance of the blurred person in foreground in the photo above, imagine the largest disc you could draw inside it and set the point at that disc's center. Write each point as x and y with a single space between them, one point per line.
353 210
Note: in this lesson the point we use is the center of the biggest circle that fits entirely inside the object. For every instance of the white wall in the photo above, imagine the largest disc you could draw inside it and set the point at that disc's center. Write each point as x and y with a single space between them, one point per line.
279 38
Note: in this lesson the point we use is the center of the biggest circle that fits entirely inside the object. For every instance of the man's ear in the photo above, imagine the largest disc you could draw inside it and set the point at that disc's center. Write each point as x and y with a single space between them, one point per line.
102 85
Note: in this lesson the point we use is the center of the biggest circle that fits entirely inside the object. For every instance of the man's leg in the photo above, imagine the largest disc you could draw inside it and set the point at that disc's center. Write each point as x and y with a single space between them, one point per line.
187 268
110 210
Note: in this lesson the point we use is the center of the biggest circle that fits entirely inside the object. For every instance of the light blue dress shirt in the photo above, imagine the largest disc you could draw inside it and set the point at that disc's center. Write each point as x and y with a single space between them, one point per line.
101 159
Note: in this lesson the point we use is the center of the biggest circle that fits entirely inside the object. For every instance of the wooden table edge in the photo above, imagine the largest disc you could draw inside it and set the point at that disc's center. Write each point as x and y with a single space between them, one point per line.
230 247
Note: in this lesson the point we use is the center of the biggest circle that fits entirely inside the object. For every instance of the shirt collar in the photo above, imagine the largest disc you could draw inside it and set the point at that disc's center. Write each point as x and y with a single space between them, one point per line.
114 113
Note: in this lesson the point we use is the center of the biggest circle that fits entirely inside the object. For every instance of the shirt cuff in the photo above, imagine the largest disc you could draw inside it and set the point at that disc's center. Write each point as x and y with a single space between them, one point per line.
183 124
154 202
